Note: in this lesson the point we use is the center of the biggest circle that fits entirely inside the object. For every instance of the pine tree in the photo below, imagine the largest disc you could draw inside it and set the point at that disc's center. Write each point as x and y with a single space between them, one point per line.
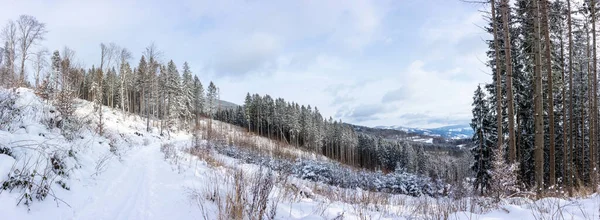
421 160
198 98
557 18
482 152
162 96
187 93
523 80
65 96
212 99
248 110
140 86
317 130
174 95
269 112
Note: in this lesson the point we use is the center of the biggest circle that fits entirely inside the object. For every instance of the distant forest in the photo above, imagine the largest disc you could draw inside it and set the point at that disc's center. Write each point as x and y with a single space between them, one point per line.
305 127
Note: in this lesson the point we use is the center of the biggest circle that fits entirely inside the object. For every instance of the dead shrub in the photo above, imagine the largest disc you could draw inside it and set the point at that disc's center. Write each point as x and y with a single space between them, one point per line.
206 155
168 150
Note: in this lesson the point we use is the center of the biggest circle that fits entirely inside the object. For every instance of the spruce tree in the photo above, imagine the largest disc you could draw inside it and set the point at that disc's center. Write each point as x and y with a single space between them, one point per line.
482 151
198 98
174 94
187 94
212 99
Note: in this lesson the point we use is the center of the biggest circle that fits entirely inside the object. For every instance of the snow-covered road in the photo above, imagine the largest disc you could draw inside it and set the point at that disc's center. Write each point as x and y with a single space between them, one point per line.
144 187
126 195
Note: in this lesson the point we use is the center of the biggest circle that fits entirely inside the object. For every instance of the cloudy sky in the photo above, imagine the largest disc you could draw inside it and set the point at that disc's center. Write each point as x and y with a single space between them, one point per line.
398 62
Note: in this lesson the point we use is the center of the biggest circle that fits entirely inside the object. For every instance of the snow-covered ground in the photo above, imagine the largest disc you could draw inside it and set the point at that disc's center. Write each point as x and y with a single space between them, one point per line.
132 182
547 208
422 140
128 173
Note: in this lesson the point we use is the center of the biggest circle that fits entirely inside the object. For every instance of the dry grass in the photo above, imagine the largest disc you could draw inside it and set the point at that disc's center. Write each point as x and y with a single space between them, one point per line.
234 135
238 196
206 155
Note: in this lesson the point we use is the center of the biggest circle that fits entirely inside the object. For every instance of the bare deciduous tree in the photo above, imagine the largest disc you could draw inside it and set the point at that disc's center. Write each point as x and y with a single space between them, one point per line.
1 62
124 57
39 63
97 87
1 55
30 31
9 35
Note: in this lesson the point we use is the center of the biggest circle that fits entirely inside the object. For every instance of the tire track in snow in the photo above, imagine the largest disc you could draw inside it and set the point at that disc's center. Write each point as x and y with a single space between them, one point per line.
126 196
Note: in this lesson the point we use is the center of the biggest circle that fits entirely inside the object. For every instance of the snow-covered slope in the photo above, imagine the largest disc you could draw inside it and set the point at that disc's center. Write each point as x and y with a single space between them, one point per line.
128 173
226 105
120 175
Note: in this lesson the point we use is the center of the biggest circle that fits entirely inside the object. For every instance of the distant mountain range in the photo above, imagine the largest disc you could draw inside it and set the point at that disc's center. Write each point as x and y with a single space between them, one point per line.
450 132
226 105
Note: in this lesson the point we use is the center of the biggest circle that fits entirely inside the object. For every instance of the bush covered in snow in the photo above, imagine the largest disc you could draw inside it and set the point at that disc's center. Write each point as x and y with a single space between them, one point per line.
6 151
336 174
39 149
35 178
8 112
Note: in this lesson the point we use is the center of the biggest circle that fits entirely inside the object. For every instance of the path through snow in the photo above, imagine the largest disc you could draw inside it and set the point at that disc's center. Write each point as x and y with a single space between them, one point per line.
143 187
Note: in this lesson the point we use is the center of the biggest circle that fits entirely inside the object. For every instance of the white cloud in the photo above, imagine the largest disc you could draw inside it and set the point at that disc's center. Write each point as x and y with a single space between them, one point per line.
452 29
241 56
429 93
342 56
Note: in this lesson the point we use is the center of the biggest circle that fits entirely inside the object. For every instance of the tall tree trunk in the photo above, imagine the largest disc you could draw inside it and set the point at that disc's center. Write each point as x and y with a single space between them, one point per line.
22 71
498 79
569 165
538 101
564 108
146 103
142 98
122 91
595 103
580 151
133 101
509 93
590 106
549 92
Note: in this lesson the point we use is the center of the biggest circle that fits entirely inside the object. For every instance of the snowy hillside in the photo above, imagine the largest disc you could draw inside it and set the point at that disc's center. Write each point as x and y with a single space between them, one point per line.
226 105
116 176
127 173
